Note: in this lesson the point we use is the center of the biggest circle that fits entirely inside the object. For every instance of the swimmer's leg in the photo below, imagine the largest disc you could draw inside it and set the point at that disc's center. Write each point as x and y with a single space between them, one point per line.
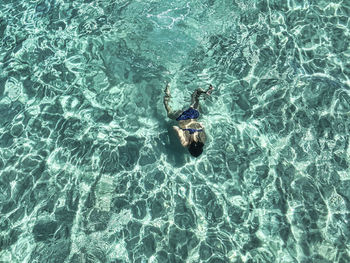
197 93
171 114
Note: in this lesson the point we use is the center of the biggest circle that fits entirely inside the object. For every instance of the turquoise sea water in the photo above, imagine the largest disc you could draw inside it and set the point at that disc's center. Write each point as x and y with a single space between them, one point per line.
91 170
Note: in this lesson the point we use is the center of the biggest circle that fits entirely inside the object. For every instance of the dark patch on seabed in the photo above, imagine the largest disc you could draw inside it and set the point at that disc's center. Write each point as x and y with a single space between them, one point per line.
91 170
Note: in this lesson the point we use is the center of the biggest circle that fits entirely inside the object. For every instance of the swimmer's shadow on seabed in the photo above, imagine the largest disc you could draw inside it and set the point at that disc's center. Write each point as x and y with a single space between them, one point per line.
176 154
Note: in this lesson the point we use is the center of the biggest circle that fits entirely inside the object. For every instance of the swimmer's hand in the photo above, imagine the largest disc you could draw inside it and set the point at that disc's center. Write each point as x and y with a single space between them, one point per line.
210 90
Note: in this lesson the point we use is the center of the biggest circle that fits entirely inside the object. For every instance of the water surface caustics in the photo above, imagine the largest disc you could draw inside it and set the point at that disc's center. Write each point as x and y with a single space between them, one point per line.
91 170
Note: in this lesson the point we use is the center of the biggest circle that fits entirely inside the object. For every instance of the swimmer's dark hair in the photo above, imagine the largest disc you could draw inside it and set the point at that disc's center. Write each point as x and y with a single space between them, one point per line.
196 148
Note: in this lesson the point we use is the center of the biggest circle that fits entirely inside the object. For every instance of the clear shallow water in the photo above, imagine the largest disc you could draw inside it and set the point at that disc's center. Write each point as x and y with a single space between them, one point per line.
92 172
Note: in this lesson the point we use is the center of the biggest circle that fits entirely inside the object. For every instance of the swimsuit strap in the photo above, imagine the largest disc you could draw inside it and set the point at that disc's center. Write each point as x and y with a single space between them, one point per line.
192 131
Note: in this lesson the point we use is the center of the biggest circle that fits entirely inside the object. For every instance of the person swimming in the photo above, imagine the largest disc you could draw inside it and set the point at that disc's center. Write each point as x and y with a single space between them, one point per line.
191 133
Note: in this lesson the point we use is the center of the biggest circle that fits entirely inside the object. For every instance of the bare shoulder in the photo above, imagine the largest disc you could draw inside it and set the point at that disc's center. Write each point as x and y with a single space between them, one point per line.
182 136
202 137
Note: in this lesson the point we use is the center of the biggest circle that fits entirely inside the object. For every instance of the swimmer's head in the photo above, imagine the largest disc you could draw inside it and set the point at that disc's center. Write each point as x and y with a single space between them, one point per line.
196 148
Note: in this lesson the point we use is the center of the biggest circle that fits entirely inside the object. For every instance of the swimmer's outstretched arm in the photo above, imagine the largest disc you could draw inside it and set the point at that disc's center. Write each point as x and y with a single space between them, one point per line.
171 114
197 93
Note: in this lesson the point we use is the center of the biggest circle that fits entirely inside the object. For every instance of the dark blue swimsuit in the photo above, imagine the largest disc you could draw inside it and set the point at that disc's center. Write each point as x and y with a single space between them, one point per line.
191 113
192 131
